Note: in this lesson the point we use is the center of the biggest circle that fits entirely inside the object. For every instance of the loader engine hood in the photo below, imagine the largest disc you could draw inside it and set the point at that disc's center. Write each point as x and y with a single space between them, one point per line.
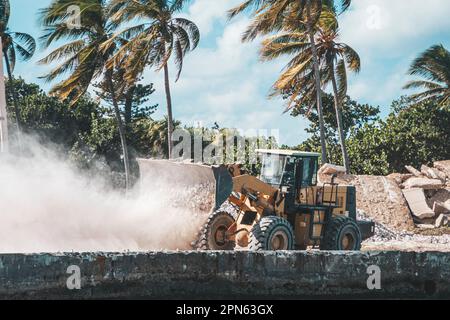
209 185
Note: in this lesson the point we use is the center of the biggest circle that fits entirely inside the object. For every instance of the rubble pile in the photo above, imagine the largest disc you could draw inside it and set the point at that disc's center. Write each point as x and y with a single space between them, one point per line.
384 234
400 202
427 193
379 197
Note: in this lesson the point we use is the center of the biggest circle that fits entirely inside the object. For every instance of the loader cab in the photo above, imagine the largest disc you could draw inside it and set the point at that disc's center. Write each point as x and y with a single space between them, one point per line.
288 170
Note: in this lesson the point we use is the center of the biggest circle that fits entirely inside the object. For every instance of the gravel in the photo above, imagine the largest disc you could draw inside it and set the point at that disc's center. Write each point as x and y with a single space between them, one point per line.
385 234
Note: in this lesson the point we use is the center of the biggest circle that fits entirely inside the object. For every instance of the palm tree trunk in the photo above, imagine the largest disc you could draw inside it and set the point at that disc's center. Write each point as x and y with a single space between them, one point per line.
15 100
123 140
317 79
339 120
169 110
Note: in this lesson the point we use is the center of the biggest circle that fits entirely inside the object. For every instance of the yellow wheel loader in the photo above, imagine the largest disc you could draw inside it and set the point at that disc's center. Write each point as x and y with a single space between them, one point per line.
285 208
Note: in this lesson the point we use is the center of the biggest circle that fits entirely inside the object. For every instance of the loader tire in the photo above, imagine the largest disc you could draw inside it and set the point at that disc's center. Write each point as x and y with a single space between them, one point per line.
272 233
212 236
341 234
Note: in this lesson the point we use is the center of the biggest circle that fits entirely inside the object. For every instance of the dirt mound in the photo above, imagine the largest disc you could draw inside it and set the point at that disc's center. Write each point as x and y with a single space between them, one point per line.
380 198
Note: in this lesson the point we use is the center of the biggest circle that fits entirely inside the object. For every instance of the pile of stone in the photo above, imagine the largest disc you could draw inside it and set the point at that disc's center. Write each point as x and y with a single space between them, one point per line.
386 238
379 197
427 192
403 202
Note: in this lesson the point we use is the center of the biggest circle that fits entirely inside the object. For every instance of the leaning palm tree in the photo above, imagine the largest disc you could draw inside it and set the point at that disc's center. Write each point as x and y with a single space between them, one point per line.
298 77
274 15
153 42
434 66
337 58
14 43
81 57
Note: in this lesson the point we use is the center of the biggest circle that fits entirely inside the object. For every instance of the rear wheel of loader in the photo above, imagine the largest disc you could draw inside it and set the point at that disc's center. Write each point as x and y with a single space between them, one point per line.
342 234
272 233
213 235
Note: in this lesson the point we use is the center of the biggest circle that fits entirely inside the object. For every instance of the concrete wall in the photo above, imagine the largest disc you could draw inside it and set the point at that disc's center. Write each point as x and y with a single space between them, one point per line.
226 275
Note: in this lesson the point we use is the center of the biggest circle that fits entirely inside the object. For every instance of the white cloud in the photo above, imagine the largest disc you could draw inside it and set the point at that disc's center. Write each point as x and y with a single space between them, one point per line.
394 27
223 81
388 35
206 13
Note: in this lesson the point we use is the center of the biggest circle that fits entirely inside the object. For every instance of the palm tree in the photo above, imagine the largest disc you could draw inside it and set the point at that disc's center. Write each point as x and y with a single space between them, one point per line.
434 66
152 43
270 16
81 58
275 15
14 43
299 76
337 58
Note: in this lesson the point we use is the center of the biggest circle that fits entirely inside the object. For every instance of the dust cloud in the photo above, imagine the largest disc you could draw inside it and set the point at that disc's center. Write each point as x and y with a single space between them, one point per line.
48 206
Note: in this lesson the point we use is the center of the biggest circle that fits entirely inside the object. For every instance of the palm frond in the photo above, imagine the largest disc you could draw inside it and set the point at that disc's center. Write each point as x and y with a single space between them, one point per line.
351 58
25 44
191 30
415 84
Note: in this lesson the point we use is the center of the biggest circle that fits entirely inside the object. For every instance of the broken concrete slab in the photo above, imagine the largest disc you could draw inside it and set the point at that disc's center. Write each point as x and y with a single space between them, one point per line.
440 208
442 221
414 171
440 175
417 203
330 169
433 173
400 177
441 195
423 183
443 166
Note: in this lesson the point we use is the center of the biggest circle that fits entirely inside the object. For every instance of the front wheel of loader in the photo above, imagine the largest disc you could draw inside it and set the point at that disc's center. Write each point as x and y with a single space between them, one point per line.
272 233
341 234
213 235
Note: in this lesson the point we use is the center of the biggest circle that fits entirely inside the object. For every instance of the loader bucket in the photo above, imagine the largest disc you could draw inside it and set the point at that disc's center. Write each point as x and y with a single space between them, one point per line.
205 187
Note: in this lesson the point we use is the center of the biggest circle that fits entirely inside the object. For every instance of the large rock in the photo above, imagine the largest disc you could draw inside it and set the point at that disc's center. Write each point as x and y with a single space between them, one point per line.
423 183
433 173
442 221
414 171
440 207
381 199
418 204
330 169
443 166
400 177
441 195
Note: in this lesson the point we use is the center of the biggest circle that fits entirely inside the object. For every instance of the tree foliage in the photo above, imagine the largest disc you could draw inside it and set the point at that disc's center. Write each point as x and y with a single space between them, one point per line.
413 134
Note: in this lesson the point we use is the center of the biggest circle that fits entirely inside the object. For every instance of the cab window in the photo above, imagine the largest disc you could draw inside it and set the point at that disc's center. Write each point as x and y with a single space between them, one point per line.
272 168
309 176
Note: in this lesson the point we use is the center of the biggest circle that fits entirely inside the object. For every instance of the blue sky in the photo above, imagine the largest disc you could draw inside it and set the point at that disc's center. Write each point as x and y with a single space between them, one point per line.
224 81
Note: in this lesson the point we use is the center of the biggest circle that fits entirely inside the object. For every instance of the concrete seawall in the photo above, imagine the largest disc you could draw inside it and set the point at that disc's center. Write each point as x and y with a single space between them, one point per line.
191 275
